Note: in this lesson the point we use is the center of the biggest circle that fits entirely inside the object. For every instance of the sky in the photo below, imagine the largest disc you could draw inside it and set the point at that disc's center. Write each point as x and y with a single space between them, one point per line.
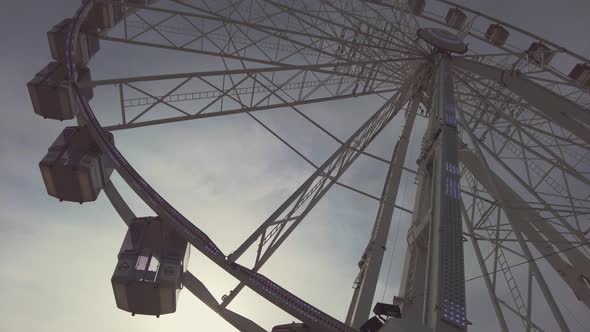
226 174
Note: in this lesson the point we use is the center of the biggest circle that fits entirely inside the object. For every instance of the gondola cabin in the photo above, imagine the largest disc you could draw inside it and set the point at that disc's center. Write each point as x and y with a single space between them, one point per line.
456 18
87 43
74 169
581 74
497 34
52 94
151 263
104 15
540 54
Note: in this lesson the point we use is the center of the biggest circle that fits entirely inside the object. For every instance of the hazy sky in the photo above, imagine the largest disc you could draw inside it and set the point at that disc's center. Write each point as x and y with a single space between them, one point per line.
226 174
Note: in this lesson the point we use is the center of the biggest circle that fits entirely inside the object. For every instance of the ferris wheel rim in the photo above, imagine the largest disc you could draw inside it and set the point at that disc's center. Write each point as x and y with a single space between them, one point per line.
71 52
561 78
286 300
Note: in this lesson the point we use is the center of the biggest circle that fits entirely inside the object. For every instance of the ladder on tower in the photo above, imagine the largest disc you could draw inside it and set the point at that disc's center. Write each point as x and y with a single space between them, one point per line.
521 307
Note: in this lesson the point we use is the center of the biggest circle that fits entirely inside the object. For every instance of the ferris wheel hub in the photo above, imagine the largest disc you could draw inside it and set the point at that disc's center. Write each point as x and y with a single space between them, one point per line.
443 40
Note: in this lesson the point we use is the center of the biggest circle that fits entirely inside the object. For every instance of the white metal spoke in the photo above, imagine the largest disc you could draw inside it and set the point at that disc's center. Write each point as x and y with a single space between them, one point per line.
503 167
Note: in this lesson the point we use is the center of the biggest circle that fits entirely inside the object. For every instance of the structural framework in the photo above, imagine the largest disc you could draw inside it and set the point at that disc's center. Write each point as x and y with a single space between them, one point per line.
503 168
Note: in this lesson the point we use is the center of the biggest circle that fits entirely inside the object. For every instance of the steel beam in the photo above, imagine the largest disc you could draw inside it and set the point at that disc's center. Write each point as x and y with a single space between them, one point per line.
362 300
189 281
558 109
539 232
147 123
484 270
323 68
486 175
433 287
300 203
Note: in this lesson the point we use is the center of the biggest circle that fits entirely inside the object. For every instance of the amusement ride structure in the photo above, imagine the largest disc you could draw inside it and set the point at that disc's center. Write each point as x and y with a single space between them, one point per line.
504 161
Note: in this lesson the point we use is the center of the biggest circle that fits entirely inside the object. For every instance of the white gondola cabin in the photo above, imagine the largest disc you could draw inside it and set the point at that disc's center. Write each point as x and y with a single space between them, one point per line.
52 95
150 267
74 169
87 43
540 54
456 18
581 74
497 34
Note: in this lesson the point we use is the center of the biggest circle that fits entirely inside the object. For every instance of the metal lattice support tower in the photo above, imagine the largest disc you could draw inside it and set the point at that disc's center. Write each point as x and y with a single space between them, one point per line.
433 287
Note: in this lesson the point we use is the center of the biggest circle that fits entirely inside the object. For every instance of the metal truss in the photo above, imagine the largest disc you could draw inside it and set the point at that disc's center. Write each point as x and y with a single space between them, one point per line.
262 89
502 221
307 37
544 162
525 172
520 134
273 232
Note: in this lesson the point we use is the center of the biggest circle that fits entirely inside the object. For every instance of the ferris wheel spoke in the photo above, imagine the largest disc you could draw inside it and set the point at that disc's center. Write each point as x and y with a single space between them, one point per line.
301 47
484 270
493 230
395 34
518 147
523 146
291 82
296 52
575 205
560 219
536 144
401 12
547 229
317 45
523 117
358 191
474 90
403 40
533 190
570 115
274 231
276 106
299 50
197 288
546 244
353 28
496 92
502 192
341 51
522 191
210 33
528 162
323 68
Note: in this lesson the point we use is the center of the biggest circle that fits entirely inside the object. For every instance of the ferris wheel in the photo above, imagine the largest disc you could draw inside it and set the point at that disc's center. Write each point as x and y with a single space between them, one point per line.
502 175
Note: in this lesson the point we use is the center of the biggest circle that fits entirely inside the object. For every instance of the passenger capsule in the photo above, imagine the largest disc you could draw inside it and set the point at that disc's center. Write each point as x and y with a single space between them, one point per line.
151 263
540 54
497 34
455 18
74 169
87 43
104 15
51 93
581 74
